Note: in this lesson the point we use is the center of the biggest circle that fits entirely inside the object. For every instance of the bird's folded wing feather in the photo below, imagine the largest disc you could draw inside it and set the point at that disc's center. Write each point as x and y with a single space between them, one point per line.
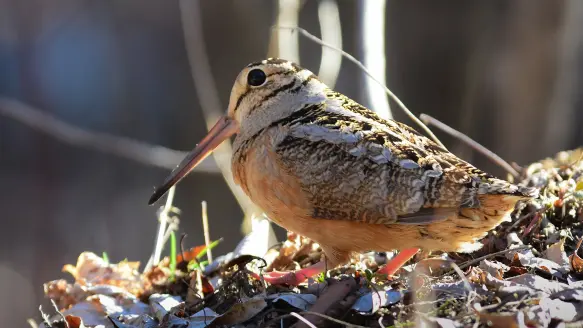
357 166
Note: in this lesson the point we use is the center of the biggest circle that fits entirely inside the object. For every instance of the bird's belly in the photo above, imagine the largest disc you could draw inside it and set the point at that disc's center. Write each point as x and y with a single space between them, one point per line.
280 195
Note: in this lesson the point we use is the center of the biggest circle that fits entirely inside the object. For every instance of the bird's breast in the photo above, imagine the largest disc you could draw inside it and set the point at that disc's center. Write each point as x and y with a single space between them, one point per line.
260 173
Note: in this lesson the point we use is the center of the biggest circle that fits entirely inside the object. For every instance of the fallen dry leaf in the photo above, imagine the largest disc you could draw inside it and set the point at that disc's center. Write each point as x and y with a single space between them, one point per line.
433 266
93 270
575 261
74 321
495 268
501 320
556 253
241 312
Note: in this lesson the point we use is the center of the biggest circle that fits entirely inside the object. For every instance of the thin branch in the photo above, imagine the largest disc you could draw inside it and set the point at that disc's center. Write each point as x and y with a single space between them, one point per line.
163 221
206 91
32 323
362 67
373 37
207 236
470 142
141 152
462 276
487 256
327 317
304 320
60 313
45 317
331 31
288 45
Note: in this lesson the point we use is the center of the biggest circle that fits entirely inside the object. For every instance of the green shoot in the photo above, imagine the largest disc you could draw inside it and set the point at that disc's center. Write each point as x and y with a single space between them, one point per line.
105 258
210 246
193 265
172 254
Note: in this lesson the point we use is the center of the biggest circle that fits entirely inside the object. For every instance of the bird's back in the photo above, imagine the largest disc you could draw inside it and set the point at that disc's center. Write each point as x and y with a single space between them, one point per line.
335 167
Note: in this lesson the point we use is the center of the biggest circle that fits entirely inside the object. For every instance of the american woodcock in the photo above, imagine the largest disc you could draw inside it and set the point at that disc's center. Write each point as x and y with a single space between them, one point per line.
326 167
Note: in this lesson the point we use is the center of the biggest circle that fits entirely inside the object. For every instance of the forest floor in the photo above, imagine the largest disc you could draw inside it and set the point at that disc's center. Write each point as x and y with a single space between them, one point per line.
528 274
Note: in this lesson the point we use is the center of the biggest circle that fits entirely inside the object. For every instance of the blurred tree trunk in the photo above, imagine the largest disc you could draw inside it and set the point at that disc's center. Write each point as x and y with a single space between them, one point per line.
491 71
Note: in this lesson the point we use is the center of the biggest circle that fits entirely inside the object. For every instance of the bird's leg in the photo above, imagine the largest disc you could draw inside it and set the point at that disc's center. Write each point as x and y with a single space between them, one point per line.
294 278
331 259
398 261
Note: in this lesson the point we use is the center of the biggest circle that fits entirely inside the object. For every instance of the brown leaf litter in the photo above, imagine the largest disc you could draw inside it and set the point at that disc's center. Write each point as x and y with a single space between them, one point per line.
529 274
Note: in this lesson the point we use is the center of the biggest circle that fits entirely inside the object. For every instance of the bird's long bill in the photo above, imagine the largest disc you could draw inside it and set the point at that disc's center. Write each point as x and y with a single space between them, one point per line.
222 130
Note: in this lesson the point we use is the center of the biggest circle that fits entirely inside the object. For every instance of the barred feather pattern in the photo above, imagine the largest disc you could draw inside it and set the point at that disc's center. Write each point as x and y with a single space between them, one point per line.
353 165
350 163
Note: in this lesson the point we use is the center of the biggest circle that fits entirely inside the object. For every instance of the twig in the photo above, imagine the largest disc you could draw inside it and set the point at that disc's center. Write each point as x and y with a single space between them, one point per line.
362 67
288 46
60 313
206 91
380 321
574 324
45 317
207 237
327 317
32 323
470 142
331 31
522 218
535 220
141 152
462 276
487 256
162 224
303 319
373 37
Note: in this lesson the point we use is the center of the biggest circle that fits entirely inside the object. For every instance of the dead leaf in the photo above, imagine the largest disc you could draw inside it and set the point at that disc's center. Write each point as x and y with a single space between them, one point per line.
74 321
575 261
495 268
569 295
190 254
561 310
556 253
527 258
299 301
93 270
331 296
433 267
241 312
538 283
498 320
161 304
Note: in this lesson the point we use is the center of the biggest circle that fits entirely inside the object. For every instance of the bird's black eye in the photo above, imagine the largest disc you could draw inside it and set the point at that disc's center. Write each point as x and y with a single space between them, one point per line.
256 77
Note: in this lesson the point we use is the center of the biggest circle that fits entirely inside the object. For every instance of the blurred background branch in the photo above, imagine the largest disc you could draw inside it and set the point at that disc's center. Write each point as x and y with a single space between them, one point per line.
372 19
370 75
141 152
565 94
284 44
207 93
331 31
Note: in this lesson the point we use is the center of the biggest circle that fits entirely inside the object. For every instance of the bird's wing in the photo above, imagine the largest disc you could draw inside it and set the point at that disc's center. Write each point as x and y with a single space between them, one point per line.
356 166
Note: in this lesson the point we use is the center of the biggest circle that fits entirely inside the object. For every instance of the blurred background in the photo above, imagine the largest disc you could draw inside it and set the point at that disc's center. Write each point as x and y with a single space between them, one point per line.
77 74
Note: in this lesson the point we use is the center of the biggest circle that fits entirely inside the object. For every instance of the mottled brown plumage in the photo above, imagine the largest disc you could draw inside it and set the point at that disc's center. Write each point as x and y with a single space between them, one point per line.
326 167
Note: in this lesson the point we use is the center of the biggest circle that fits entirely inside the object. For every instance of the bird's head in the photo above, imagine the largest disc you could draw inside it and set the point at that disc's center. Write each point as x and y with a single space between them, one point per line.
264 93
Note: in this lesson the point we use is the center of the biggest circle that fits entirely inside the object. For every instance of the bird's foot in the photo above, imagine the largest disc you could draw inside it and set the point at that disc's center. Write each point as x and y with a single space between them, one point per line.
397 262
294 278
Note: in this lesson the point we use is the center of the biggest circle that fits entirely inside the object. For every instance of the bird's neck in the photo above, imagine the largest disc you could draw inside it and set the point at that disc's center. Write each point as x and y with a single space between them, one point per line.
270 112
